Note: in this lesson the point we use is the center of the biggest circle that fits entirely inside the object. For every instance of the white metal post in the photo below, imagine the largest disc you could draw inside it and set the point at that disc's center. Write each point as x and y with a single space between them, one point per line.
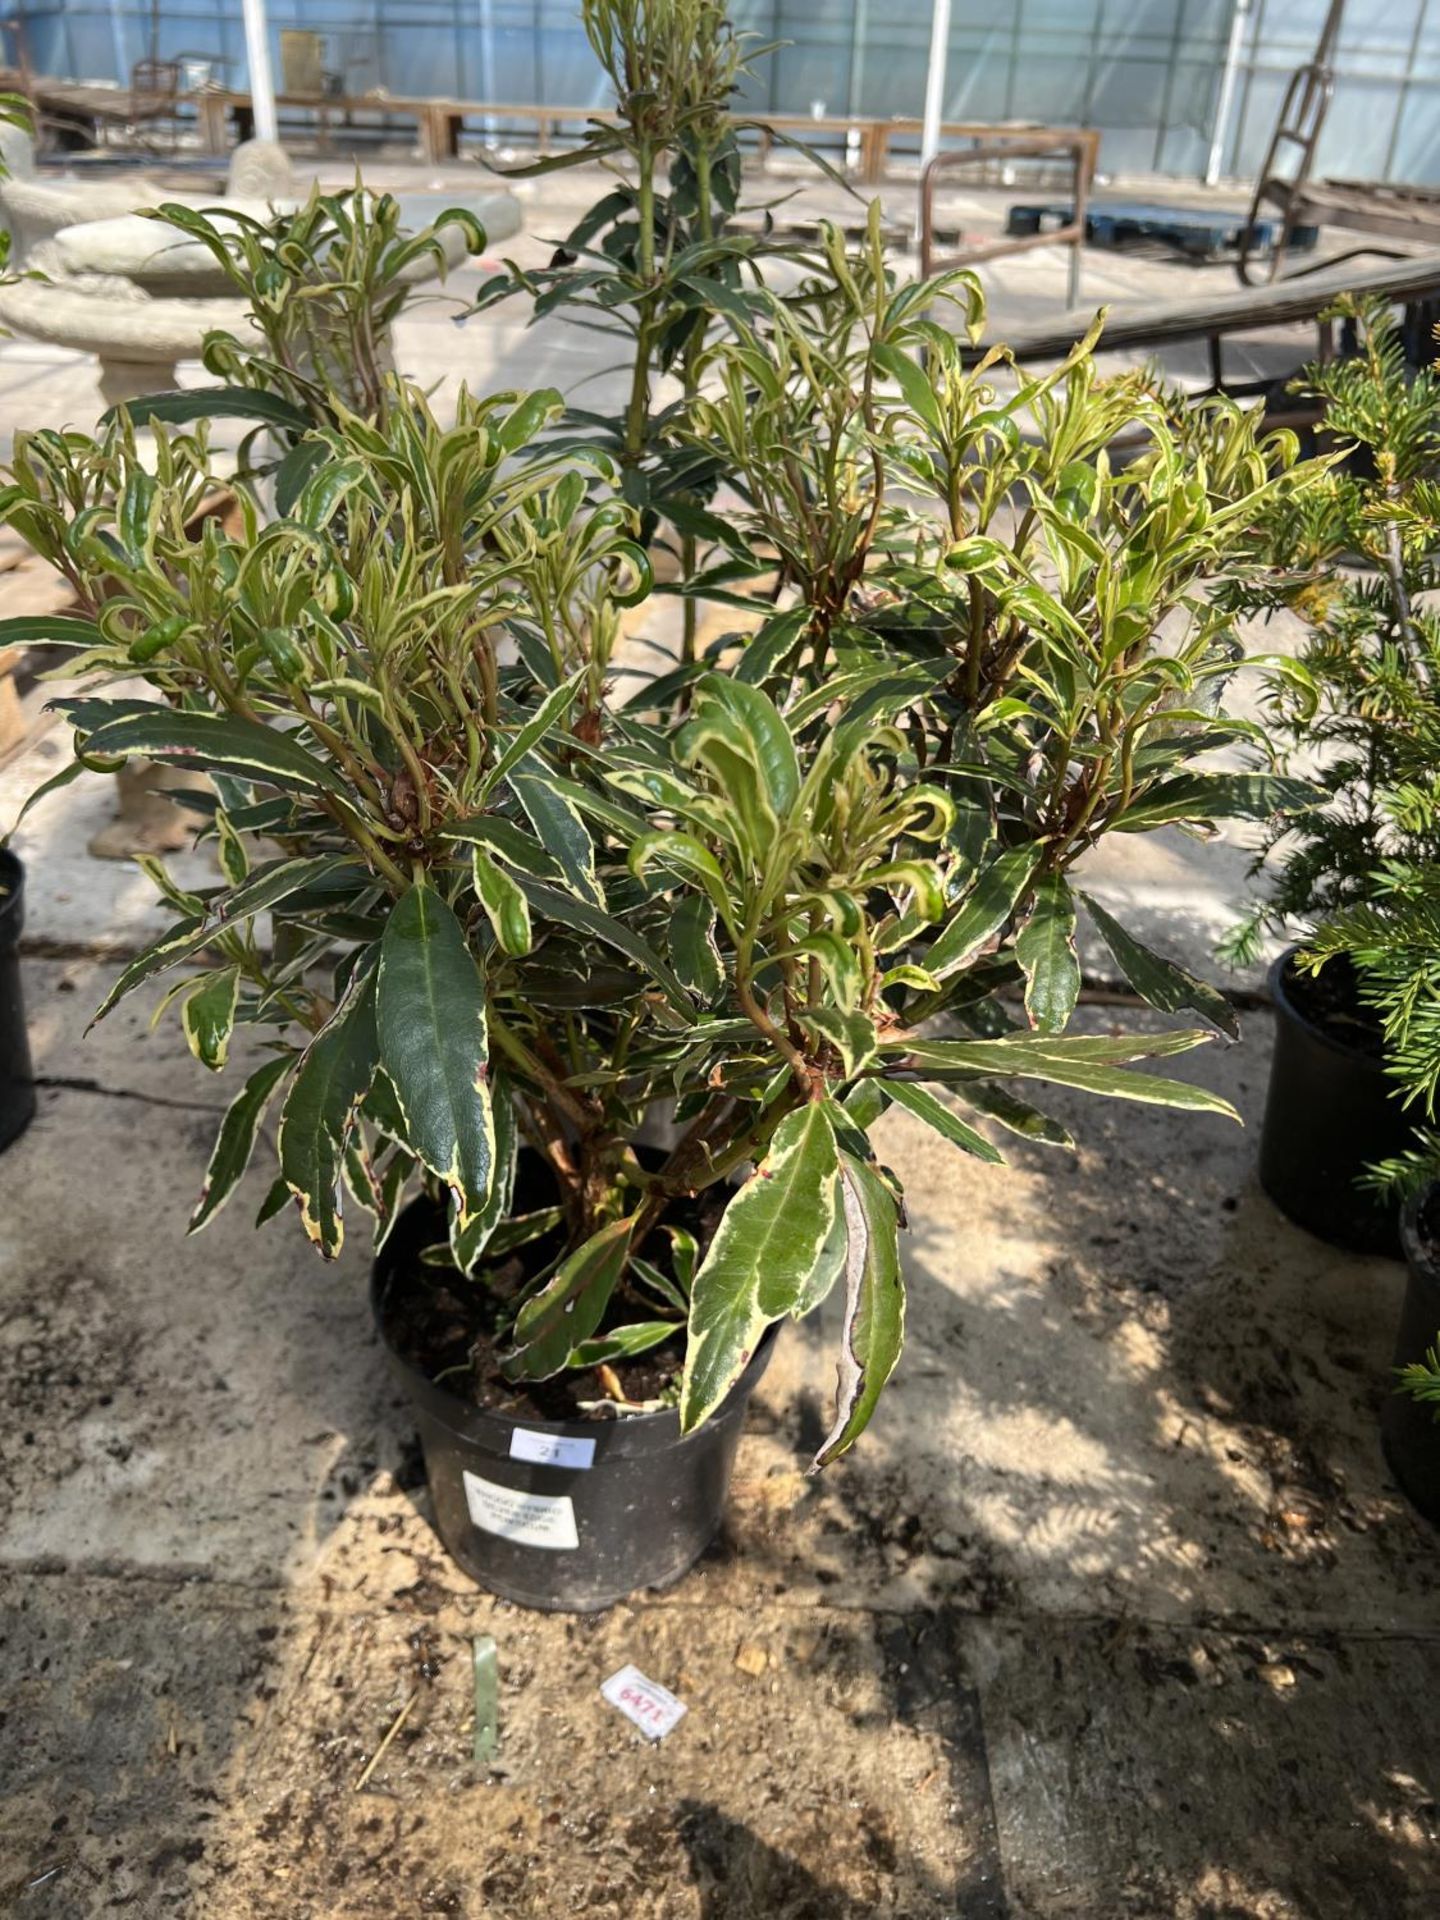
257 58
935 81
1224 100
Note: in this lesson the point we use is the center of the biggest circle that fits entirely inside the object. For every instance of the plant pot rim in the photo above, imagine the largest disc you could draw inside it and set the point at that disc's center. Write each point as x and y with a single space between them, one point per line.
1284 1002
12 897
623 1437
1421 1263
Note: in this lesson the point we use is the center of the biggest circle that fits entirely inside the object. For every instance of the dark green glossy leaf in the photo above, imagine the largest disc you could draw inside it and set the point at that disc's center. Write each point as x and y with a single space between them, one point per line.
762 1258
558 827
930 1108
1161 983
1045 948
982 914
177 943
430 1011
570 911
330 1082
570 1306
179 408
208 1017
50 630
218 743
1218 796
235 1142
874 1329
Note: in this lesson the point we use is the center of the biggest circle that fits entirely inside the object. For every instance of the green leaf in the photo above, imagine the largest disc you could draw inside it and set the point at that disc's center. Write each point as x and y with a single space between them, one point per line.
1015 1115
831 1264
721 740
177 943
1161 983
933 1111
914 384
507 841
762 1259
623 1344
504 902
208 1017
470 1242
851 1034
272 885
275 1201
521 1228
684 1258
1045 948
874 1305
64 778
570 1306
1087 1061
235 1142
558 827
982 913
774 749
548 715
330 1082
692 946
571 911
430 1011
299 466
50 630
1218 796
220 744
177 409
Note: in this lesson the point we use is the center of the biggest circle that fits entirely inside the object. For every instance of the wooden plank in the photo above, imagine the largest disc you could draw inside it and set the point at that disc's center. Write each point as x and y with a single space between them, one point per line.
1248 308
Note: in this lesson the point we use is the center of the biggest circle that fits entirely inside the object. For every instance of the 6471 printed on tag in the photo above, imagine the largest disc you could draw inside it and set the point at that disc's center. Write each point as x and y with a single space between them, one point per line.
653 1708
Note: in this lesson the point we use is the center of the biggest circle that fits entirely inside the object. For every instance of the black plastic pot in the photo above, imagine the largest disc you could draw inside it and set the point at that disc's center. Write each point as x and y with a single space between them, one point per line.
1409 1430
17 1079
569 1516
1330 1112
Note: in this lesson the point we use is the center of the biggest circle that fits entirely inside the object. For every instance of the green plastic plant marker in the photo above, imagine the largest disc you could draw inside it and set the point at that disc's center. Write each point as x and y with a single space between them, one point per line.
487 1698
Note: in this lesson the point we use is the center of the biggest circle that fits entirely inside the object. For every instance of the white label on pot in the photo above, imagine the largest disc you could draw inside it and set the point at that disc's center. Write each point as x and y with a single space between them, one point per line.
529 1519
653 1708
551 1449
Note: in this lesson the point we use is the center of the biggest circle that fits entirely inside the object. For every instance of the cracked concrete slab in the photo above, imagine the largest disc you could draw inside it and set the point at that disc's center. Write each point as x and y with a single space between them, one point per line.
1143 1770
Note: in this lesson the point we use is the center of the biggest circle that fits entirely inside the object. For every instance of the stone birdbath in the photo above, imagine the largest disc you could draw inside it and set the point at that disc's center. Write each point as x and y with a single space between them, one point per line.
140 297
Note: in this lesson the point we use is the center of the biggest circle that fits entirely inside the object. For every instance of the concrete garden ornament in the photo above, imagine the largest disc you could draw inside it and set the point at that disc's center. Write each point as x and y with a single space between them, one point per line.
103 275
508 915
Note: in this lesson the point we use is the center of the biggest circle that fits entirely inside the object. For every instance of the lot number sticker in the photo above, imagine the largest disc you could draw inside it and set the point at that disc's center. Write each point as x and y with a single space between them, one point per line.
653 1708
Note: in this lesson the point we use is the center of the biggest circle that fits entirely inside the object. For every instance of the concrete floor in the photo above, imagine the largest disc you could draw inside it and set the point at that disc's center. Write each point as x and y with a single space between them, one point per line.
1115 1611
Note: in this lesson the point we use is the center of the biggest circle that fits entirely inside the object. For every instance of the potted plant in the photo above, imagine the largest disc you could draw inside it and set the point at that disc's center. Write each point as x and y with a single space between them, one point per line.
510 930
1355 557
1392 944
508 921
17 1079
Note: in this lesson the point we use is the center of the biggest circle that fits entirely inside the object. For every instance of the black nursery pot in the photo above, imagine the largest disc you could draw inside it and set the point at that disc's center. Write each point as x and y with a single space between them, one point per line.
17 1079
1330 1112
1409 1430
571 1515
